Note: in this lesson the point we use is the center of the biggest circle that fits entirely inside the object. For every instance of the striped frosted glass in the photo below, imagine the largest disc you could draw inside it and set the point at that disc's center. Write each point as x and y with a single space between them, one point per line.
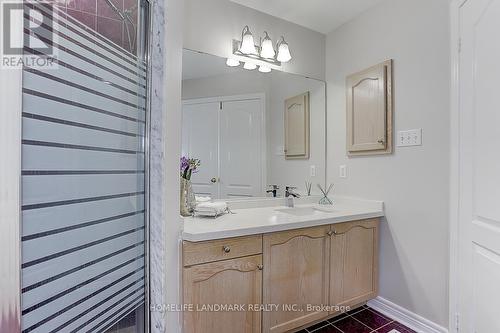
83 184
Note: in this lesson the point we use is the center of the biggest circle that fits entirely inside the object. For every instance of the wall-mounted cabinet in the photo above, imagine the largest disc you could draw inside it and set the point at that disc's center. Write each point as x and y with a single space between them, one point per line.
369 111
297 127
332 266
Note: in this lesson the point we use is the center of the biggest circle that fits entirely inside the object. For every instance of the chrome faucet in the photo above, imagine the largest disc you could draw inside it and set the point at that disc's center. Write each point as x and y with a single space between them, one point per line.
289 195
273 189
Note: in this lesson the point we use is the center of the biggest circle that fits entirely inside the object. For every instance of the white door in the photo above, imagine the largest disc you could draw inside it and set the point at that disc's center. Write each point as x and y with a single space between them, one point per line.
479 149
200 136
241 149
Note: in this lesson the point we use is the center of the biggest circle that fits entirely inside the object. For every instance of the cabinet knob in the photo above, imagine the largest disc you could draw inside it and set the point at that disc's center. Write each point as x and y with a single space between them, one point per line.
381 141
213 180
260 267
329 233
226 249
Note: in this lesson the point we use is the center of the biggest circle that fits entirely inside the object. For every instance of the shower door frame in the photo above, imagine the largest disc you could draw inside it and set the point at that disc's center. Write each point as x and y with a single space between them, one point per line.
11 191
147 137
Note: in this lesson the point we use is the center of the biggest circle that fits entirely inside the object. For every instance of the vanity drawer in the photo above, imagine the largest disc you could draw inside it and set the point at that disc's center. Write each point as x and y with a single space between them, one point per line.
221 249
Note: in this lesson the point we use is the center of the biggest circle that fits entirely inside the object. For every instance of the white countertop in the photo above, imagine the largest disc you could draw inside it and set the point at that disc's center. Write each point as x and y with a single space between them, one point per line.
268 216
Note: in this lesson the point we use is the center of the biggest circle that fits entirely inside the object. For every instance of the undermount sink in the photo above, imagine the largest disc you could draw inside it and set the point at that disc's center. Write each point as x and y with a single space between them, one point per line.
304 211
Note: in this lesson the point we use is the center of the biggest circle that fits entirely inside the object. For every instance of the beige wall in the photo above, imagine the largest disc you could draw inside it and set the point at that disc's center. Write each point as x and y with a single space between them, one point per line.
210 25
413 182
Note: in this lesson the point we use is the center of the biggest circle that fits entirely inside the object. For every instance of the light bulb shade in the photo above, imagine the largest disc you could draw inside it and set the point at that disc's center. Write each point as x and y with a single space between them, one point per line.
250 66
283 52
267 49
264 69
232 62
247 43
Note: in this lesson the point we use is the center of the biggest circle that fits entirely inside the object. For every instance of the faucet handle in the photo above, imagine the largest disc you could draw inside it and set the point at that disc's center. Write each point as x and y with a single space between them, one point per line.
274 186
290 191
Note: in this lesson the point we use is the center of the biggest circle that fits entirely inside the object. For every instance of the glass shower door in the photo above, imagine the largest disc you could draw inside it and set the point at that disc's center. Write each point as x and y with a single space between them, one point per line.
84 169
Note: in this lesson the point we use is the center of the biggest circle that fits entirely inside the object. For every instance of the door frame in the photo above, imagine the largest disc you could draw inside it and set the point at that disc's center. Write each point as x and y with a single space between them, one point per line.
263 142
454 165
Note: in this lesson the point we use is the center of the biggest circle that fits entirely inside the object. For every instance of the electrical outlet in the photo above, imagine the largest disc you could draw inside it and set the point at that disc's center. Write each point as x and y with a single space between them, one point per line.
410 138
313 171
343 171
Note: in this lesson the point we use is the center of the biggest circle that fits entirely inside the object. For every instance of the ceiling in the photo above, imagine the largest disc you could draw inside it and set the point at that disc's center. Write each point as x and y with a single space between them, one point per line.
320 15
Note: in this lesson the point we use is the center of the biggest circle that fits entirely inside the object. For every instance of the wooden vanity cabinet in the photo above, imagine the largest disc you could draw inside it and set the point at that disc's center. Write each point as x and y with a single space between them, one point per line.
335 265
295 274
354 262
212 276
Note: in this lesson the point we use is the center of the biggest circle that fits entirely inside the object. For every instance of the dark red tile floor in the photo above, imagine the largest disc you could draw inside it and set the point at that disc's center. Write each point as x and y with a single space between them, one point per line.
361 320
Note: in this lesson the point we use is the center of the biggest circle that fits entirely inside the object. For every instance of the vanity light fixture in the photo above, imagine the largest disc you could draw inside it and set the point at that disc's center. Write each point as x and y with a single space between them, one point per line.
265 52
247 44
249 65
231 62
264 69
283 51
267 49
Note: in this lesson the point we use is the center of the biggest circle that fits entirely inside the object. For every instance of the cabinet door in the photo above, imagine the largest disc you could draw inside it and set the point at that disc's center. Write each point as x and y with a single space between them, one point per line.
369 110
296 273
354 262
228 282
297 127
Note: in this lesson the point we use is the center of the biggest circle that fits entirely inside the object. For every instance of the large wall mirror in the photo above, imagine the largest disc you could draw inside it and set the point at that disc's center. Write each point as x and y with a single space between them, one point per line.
252 131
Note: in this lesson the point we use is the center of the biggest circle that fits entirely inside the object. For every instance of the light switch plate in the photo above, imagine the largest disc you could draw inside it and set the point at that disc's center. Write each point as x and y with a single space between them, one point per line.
313 171
280 151
343 171
409 138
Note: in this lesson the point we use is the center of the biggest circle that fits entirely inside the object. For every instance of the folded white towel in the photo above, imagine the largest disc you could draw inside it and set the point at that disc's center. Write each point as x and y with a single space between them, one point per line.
220 205
202 199
211 208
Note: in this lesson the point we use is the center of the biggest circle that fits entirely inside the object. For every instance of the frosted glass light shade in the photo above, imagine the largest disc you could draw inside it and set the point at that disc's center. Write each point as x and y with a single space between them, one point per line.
250 66
284 52
264 69
247 43
232 62
267 49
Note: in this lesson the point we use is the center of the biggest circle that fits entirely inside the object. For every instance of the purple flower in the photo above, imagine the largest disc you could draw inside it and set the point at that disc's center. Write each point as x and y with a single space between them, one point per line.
184 163
189 166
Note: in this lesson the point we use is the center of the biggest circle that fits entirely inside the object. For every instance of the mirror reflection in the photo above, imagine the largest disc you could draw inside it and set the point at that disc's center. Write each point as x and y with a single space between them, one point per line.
254 133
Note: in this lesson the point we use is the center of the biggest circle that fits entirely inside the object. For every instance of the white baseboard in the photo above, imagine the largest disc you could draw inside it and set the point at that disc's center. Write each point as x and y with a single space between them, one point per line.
405 317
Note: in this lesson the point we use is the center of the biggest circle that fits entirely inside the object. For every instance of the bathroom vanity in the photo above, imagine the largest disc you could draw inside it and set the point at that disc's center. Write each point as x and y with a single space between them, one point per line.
267 267
279 269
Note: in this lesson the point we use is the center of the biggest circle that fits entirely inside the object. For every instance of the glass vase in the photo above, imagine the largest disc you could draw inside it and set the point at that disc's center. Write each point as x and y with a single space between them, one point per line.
188 200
